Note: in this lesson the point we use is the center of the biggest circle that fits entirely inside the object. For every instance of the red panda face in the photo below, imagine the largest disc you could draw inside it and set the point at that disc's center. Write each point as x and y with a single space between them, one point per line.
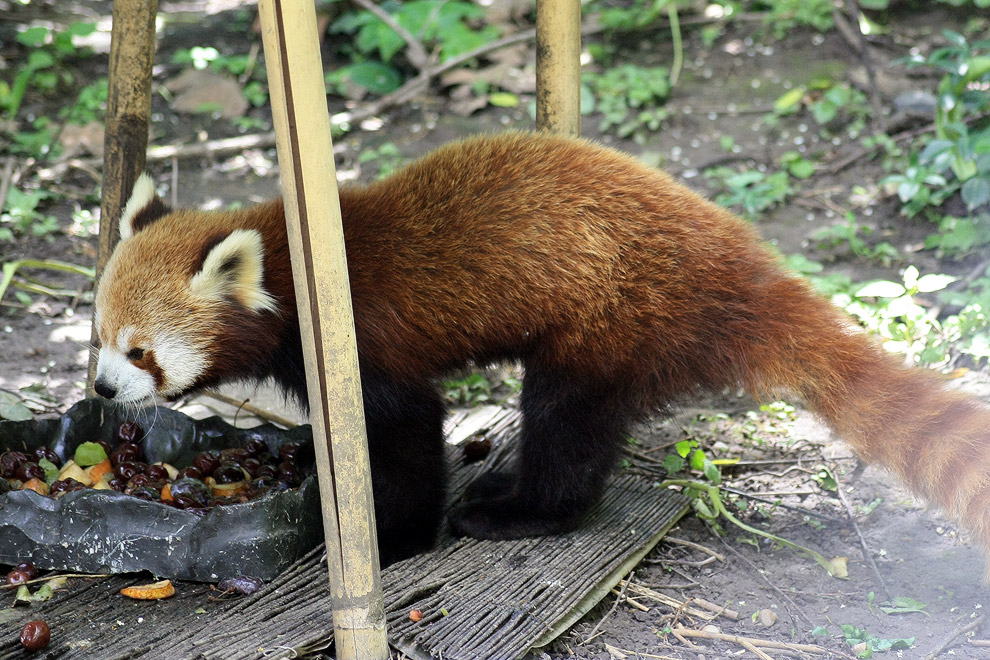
171 285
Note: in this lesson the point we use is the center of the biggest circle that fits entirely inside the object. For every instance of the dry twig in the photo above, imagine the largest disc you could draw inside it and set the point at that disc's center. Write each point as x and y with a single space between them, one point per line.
611 611
708 611
755 642
245 405
867 553
5 178
696 546
807 624
969 627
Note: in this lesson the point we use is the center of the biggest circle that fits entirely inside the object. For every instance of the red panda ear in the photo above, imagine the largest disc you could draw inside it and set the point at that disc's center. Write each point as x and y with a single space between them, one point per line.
143 208
233 267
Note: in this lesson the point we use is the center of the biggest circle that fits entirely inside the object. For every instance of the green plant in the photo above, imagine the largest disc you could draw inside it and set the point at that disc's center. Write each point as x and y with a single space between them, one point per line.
708 505
830 104
751 190
849 234
783 15
48 49
642 14
918 188
90 104
11 267
374 76
472 390
960 236
386 156
629 98
890 310
447 27
202 57
689 453
958 158
21 215
866 644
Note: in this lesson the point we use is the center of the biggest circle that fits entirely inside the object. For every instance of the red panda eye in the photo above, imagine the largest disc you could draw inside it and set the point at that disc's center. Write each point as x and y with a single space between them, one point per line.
135 354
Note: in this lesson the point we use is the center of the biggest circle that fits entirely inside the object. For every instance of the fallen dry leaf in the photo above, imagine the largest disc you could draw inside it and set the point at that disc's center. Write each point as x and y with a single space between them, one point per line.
205 91
86 139
153 591
840 567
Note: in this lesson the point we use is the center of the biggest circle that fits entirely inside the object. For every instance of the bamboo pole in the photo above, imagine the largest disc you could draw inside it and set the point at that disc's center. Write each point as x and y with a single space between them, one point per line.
558 66
132 54
319 268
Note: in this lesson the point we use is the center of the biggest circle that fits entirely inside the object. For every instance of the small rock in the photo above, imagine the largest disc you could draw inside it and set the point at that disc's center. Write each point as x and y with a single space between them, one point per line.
916 101
767 617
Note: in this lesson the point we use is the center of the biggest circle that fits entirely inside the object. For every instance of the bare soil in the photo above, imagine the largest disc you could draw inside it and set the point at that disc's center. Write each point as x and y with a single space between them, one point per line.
725 90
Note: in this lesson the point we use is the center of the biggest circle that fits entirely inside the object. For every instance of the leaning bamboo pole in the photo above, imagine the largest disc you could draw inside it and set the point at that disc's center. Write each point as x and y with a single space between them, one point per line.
558 66
319 268
132 54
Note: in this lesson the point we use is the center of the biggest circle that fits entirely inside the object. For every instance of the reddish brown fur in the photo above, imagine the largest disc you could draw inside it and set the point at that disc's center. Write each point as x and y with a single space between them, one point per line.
579 260
674 292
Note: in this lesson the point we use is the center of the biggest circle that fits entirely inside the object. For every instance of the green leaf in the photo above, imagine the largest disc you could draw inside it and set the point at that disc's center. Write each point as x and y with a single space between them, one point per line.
673 463
933 282
503 100
881 289
905 605
81 29
51 470
698 460
976 192
33 37
712 473
802 168
683 448
802 264
376 77
13 409
40 59
89 453
788 103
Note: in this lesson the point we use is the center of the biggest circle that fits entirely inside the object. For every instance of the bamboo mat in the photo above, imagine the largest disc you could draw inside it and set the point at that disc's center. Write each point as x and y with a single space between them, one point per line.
478 599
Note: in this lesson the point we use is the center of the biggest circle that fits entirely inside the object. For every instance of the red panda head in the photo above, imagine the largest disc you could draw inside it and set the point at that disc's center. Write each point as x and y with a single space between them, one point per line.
174 283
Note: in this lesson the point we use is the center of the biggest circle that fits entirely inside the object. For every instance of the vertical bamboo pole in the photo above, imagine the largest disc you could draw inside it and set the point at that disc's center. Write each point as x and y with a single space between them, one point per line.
132 54
558 66
319 268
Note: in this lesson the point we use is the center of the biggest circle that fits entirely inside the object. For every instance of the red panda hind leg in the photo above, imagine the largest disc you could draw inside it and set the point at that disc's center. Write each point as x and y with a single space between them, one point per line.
572 431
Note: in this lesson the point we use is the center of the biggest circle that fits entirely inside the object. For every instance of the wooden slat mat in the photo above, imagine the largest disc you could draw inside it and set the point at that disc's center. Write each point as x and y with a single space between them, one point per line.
479 599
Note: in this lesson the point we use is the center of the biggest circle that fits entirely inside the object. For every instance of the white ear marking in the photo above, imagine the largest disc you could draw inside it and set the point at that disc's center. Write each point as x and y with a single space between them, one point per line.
234 267
141 195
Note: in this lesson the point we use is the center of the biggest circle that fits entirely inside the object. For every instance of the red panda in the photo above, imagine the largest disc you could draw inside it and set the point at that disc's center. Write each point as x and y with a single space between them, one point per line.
618 289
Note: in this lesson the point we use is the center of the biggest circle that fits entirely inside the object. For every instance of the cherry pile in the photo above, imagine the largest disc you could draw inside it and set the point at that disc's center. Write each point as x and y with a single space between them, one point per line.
227 476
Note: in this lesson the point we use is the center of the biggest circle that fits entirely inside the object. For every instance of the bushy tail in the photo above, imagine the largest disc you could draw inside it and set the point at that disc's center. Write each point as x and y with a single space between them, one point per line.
936 440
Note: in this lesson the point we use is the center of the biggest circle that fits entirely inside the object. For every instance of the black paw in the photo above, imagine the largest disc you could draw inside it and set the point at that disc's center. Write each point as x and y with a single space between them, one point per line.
507 518
490 486
483 519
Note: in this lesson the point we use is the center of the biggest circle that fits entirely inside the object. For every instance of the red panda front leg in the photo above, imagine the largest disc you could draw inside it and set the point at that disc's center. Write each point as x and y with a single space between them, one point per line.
572 431
408 470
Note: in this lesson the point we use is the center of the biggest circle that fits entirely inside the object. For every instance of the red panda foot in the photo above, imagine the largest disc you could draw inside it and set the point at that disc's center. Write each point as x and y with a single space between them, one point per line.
509 518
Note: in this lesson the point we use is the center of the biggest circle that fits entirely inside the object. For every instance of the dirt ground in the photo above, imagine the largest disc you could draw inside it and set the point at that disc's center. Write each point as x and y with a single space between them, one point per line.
904 551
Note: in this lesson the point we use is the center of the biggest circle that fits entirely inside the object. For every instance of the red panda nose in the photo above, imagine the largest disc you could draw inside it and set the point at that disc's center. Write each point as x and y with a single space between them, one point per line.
104 390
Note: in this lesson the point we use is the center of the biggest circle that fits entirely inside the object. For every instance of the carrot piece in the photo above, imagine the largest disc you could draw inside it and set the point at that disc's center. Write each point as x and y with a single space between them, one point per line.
37 485
153 591
97 471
